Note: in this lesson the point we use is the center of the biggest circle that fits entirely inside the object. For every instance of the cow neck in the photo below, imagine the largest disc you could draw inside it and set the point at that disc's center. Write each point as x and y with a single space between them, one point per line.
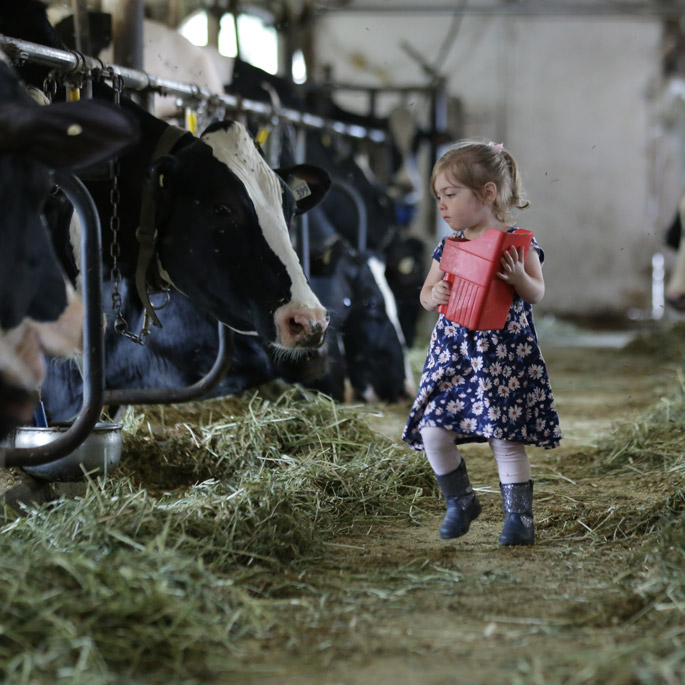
150 277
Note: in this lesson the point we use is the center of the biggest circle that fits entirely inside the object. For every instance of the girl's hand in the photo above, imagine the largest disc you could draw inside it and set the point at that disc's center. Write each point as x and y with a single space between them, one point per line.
513 265
435 291
440 293
523 273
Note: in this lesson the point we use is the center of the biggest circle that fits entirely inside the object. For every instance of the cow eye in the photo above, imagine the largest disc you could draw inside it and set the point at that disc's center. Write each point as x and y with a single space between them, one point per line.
222 210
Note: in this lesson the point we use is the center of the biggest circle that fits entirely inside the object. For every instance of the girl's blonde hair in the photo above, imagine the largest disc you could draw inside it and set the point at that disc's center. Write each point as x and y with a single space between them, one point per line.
474 163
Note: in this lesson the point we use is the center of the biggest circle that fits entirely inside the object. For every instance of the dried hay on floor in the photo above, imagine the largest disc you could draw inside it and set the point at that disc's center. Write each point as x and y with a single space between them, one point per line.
129 579
324 453
649 455
655 440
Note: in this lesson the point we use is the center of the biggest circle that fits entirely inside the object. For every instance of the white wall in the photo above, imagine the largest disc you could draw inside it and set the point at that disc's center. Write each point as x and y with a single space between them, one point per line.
568 97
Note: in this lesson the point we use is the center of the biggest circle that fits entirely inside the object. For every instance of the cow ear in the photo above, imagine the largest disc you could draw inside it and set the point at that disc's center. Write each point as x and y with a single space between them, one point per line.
309 184
159 174
66 135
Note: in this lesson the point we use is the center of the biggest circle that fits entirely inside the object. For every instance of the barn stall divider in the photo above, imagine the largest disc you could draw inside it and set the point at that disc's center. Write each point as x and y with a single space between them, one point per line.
77 71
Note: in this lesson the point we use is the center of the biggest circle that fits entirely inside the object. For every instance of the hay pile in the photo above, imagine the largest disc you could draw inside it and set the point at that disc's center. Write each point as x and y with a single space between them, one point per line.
131 579
650 453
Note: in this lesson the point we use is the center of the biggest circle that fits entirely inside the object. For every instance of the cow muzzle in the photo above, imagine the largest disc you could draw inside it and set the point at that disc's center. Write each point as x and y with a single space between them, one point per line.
298 327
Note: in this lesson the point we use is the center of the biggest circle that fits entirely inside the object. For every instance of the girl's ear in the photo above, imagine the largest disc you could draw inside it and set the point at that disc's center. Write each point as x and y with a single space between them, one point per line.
489 192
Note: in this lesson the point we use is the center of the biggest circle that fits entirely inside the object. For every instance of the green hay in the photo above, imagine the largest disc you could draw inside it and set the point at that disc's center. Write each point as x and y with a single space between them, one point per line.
657 598
663 581
84 597
130 580
656 439
650 454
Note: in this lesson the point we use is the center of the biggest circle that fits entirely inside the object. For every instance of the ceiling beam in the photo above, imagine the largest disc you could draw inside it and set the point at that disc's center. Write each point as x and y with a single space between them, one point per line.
602 8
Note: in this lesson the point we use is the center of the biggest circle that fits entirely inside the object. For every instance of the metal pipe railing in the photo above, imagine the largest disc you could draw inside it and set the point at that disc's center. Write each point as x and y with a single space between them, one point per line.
198 390
76 63
93 337
358 202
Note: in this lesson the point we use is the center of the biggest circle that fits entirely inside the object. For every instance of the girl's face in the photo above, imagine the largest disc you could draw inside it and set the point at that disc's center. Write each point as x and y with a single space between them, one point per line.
460 207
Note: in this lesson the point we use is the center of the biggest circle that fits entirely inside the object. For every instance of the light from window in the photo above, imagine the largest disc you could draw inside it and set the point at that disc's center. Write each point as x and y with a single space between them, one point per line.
194 28
299 67
258 42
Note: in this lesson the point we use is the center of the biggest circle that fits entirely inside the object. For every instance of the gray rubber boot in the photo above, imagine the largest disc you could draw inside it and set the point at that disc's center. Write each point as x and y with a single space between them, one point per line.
462 504
517 501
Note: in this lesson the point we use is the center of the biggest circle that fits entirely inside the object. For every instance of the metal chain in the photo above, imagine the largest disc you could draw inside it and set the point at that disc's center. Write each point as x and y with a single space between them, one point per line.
120 323
50 85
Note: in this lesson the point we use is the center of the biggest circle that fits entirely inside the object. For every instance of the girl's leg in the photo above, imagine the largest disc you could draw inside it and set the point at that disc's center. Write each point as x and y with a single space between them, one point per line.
442 453
512 461
517 492
450 470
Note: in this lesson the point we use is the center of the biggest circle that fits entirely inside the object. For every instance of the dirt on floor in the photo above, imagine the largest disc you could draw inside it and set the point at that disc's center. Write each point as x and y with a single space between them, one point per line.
392 604
408 607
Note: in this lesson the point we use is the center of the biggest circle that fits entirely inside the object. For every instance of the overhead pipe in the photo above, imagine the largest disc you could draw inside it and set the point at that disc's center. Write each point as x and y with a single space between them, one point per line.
134 79
543 8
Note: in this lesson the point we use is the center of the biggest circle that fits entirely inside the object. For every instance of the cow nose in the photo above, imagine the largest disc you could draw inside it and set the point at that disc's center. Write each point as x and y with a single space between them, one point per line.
297 325
309 333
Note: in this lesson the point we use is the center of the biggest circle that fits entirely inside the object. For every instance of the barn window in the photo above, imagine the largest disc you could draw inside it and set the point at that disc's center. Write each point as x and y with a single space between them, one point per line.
258 39
299 69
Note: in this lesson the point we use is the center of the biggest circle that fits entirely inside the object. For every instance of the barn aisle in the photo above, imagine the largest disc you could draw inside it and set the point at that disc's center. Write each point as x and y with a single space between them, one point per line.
324 567
401 606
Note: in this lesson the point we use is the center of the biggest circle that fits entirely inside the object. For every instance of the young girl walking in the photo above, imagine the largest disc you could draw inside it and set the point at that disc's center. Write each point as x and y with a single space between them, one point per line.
485 385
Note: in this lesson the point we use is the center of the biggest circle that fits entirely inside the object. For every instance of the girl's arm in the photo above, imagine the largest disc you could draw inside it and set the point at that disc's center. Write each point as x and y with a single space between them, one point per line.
524 276
435 291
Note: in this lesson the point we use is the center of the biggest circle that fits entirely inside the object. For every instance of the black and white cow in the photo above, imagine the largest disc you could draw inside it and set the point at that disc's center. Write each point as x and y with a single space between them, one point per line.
39 310
339 215
362 359
222 214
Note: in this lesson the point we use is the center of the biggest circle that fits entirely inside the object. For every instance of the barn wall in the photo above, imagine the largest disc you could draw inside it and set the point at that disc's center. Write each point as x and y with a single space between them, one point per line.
568 97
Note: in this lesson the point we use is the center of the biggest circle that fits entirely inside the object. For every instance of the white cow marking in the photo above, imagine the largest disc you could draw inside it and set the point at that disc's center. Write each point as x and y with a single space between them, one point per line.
378 270
235 148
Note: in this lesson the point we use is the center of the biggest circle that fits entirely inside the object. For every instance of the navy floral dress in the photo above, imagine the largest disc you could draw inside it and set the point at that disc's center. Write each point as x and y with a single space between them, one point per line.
486 384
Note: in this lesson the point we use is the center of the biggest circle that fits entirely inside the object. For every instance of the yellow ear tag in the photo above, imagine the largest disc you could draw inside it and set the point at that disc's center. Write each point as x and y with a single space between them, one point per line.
262 135
191 121
73 94
74 130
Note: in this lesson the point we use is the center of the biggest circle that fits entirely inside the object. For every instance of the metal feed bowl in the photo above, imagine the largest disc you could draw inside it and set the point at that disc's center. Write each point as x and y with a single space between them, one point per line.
97 456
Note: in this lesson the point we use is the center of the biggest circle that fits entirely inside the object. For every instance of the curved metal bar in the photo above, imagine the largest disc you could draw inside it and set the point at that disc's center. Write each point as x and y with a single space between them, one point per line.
361 210
221 366
93 345
303 219
303 245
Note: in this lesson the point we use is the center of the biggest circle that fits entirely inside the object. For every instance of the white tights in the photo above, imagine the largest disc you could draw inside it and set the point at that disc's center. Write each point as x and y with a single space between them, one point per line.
444 456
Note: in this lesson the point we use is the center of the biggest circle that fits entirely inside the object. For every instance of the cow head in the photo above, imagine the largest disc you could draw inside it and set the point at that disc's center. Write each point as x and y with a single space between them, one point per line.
224 242
373 347
365 355
39 311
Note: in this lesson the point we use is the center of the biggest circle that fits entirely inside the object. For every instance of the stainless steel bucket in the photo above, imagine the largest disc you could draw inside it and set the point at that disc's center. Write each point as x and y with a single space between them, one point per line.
98 455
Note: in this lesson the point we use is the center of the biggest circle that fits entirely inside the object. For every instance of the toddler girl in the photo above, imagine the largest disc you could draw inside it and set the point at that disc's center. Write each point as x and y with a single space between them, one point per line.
489 385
